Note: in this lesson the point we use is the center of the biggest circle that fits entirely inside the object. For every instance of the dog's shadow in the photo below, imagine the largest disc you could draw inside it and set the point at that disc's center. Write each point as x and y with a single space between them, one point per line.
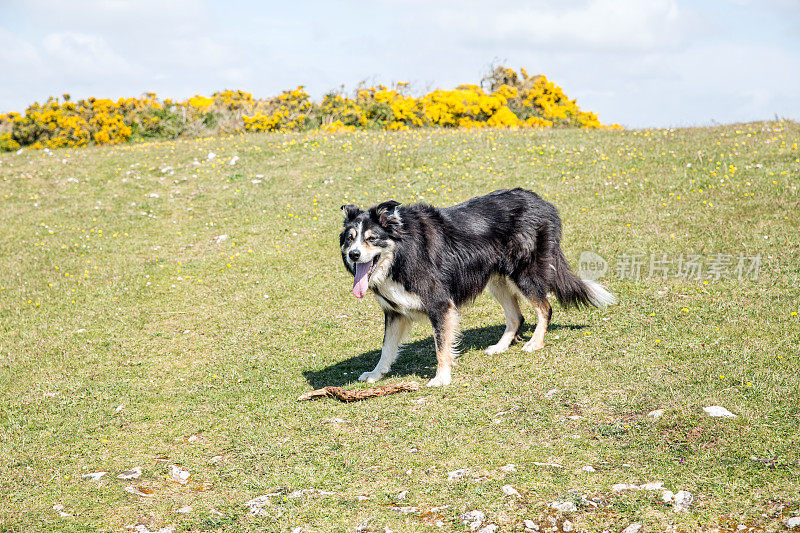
416 358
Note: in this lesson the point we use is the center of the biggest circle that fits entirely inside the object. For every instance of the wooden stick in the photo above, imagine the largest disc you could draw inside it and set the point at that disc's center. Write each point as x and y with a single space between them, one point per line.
357 395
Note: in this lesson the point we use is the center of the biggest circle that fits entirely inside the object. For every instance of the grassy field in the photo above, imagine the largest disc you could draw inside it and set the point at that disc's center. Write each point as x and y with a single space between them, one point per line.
133 333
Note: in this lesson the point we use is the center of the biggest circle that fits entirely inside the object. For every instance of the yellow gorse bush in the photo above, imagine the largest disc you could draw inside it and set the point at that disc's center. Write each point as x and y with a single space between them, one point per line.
200 101
504 99
288 111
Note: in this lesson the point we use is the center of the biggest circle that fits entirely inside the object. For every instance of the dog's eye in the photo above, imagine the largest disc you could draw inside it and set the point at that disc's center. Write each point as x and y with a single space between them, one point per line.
371 239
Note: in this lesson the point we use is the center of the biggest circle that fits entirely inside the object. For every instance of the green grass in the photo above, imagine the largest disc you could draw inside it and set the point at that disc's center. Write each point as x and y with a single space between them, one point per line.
130 337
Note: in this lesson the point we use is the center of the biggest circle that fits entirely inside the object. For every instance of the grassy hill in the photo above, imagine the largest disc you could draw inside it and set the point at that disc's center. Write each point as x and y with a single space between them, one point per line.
164 304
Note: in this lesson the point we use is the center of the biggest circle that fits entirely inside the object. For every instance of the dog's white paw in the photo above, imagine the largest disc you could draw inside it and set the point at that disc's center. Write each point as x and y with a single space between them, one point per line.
495 348
370 377
531 346
441 380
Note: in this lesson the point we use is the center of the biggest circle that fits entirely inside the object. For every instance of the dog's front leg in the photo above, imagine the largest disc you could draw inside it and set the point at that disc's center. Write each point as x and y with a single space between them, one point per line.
445 333
397 326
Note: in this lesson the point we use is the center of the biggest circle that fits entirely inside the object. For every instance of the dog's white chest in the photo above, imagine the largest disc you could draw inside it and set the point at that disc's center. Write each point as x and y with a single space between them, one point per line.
393 296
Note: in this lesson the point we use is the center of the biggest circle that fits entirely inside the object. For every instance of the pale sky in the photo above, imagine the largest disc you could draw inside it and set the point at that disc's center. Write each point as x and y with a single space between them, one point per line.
639 63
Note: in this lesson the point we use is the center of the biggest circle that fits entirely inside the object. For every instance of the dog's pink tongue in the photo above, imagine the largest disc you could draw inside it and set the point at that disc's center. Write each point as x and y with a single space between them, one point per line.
361 281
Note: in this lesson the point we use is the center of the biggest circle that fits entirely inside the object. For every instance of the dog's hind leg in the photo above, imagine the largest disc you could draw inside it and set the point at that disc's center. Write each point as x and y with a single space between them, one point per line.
445 334
543 314
514 319
397 326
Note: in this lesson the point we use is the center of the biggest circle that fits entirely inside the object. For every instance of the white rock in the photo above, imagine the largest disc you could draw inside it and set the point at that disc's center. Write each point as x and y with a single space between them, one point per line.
220 239
683 499
741 527
656 414
178 475
185 510
550 393
586 503
530 524
491 528
564 507
255 182
633 528
456 474
509 468
589 469
406 509
619 487
233 160
667 496
215 459
308 492
133 473
716 410
402 495
210 156
153 195
473 516
793 522
656 485
336 420
510 491
257 505
94 476
473 519
136 491
552 465
567 526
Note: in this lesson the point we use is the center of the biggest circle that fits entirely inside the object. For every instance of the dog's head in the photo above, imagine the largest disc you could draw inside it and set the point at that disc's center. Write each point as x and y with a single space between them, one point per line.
368 241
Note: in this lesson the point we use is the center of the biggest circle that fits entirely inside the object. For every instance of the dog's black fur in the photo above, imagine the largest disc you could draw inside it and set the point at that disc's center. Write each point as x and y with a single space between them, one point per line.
447 256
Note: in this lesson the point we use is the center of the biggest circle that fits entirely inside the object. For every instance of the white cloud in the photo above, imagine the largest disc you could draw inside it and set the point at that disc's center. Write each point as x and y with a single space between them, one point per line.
595 25
16 53
124 17
80 56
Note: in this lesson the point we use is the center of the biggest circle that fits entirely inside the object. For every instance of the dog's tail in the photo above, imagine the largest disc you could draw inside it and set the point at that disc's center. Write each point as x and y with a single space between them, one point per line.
573 291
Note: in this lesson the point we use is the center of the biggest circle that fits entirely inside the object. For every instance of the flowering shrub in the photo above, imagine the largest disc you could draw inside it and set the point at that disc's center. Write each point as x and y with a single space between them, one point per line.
233 100
286 112
389 109
339 112
505 99
200 101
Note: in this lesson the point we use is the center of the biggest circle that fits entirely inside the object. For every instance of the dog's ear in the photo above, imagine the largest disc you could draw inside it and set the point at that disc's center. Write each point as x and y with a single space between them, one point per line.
350 211
387 213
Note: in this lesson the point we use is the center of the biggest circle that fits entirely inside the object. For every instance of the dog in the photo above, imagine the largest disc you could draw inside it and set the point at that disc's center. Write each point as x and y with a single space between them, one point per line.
423 262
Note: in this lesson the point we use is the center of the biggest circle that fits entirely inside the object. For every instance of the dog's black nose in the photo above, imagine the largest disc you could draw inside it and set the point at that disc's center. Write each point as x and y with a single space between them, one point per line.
354 255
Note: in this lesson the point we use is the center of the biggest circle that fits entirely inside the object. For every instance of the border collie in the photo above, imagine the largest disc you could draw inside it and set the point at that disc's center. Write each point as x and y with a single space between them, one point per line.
426 262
